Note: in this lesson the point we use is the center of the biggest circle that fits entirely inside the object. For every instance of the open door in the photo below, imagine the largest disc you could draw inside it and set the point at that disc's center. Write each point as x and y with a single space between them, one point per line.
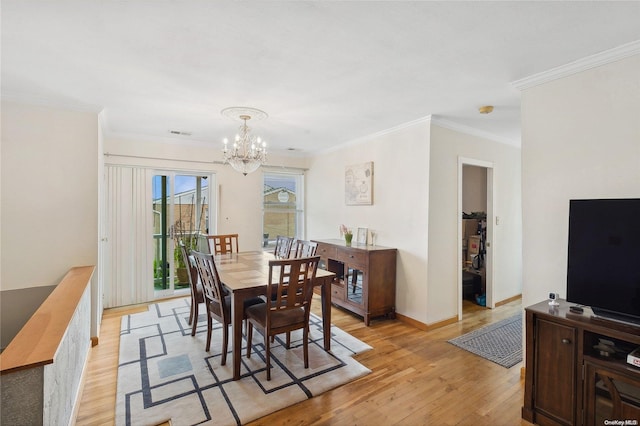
475 233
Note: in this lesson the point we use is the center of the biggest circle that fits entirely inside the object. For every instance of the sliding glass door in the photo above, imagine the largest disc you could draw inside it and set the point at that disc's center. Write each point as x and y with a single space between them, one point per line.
181 206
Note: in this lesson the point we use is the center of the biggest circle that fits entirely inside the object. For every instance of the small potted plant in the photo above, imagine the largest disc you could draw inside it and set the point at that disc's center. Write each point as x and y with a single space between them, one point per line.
191 243
181 267
347 233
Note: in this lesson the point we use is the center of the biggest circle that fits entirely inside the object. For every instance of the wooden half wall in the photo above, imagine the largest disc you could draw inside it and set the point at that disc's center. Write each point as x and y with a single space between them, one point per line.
41 368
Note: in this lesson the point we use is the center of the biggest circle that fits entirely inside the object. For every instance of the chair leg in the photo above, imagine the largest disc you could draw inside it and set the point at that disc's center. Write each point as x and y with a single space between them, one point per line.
267 346
193 302
225 342
288 339
209 327
194 320
249 337
305 346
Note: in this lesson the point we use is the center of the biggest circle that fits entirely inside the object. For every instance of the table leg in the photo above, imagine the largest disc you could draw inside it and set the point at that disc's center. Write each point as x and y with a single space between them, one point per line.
237 312
326 312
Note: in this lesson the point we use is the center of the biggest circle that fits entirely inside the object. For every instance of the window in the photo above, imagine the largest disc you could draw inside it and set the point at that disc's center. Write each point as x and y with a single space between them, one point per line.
283 211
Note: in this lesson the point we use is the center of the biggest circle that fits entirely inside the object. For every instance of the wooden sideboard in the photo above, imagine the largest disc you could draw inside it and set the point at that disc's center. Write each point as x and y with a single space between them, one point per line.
365 282
569 380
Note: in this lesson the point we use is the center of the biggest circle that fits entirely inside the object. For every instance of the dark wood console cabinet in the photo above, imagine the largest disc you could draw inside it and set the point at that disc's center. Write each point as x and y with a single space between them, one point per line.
567 380
365 281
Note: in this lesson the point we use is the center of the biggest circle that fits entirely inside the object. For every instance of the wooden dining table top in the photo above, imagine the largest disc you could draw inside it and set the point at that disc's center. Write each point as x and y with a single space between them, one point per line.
249 269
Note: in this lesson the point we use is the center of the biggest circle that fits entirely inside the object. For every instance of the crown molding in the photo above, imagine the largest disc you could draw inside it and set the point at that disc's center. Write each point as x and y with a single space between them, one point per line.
22 98
579 65
472 131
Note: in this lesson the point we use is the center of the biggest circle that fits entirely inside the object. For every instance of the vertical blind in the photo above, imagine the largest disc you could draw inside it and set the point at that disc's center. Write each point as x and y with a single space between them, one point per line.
129 229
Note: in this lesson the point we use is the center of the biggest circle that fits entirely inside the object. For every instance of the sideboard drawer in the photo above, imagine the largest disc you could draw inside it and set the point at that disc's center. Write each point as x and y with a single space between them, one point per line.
326 251
353 256
337 292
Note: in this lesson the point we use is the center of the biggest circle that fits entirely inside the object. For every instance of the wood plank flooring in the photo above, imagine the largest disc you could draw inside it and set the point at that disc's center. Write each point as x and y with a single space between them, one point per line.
418 378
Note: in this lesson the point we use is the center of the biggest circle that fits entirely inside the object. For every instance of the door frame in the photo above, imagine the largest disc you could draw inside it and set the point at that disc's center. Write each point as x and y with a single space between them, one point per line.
489 166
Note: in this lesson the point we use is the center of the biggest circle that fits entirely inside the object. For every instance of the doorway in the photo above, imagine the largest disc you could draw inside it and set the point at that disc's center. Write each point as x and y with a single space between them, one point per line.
475 235
180 205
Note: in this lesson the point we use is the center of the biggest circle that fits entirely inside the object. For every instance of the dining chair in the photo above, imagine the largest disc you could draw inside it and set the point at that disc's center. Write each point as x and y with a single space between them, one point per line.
197 296
283 247
291 308
304 248
217 299
223 243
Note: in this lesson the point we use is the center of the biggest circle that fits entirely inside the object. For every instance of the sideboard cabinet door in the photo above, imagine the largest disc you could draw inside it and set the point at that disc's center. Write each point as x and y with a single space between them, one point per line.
555 381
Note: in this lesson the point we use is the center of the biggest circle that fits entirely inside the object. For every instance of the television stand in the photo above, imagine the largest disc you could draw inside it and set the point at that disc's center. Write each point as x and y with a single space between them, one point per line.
569 378
602 315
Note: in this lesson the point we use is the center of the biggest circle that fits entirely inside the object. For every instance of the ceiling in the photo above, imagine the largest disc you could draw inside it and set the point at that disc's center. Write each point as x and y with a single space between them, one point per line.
326 72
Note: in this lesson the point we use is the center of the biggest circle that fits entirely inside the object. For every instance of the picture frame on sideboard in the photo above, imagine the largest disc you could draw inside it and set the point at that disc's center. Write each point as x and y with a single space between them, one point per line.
361 237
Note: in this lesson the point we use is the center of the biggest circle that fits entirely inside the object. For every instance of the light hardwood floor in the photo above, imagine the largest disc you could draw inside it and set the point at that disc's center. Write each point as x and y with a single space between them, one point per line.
418 378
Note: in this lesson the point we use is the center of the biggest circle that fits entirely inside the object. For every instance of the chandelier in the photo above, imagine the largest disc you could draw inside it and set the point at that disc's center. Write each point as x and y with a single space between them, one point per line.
248 152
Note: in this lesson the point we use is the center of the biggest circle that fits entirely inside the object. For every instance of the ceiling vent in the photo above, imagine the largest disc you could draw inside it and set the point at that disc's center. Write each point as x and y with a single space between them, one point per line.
178 132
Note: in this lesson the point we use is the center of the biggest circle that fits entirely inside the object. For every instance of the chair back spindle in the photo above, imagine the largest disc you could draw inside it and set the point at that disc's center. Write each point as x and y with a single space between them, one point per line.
223 243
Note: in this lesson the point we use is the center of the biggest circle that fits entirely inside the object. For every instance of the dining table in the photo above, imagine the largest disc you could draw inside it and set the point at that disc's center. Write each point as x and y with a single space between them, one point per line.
246 275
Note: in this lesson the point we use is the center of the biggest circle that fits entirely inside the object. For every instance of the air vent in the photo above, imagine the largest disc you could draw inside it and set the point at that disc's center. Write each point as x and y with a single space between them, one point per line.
178 132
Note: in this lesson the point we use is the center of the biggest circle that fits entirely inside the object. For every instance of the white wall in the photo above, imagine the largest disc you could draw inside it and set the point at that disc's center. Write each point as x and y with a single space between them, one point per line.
240 197
415 210
580 139
400 203
446 147
49 203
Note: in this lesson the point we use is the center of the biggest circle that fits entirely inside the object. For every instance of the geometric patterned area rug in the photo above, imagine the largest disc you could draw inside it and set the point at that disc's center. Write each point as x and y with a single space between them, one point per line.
500 342
165 374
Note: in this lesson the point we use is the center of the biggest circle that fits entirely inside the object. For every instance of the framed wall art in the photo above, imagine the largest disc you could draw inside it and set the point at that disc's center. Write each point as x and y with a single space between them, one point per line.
358 184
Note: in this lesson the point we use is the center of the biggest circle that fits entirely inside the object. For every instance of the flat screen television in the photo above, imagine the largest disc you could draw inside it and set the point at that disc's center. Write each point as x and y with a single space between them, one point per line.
603 265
